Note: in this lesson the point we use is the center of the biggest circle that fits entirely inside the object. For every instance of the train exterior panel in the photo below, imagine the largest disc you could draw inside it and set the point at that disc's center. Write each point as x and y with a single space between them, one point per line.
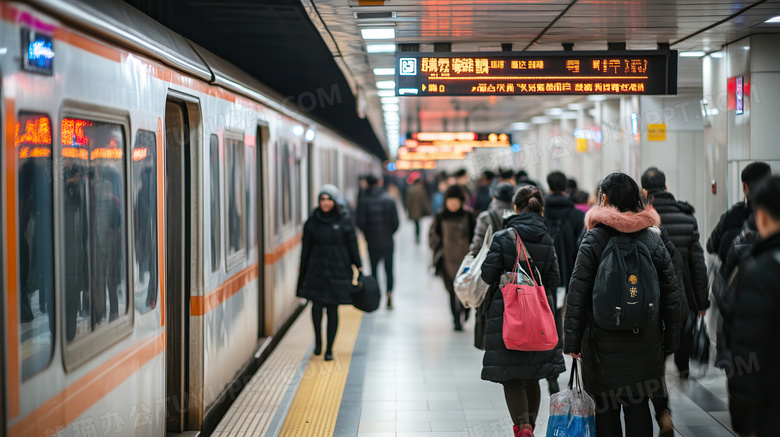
196 194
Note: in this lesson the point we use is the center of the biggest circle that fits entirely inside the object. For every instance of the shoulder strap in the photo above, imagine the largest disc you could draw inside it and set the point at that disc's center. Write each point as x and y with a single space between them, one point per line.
496 226
521 249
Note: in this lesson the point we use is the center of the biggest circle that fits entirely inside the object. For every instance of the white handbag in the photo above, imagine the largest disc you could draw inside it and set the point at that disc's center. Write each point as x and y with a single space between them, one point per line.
469 286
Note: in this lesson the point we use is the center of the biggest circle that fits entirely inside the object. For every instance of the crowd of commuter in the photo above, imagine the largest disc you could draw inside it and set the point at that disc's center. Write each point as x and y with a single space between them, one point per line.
620 328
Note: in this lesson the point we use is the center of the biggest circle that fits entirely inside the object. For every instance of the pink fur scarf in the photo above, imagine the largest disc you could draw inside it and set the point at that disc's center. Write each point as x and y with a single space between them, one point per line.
626 222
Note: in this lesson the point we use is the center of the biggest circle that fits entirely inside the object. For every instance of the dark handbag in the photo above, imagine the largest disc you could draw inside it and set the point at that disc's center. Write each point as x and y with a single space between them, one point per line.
480 324
700 352
366 295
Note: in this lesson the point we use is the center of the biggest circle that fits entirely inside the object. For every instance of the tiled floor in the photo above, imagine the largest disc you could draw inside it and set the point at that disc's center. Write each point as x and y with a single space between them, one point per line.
423 379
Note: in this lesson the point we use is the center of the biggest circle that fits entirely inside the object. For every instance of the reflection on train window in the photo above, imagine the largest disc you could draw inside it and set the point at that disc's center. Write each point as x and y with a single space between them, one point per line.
250 196
285 184
216 201
93 215
235 195
36 281
144 218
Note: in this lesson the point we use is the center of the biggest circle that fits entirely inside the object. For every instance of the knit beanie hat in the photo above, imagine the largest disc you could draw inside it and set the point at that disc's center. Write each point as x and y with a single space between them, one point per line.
331 190
504 191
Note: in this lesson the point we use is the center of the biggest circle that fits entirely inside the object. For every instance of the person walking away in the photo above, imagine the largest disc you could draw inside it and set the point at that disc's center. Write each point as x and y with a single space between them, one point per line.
437 199
377 217
482 197
329 251
520 371
678 219
417 205
462 180
622 349
564 224
506 175
753 400
721 242
450 235
500 207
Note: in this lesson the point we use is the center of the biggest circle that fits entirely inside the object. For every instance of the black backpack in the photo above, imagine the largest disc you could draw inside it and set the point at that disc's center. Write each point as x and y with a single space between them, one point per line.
626 290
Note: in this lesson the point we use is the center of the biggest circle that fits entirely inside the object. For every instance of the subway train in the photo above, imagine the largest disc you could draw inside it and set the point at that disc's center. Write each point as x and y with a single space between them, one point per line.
151 256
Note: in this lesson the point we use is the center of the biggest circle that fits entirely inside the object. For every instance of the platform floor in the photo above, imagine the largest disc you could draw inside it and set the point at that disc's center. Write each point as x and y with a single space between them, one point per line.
408 373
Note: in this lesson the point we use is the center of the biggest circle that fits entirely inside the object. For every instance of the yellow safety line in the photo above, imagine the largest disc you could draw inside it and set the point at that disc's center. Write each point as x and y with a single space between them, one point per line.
315 407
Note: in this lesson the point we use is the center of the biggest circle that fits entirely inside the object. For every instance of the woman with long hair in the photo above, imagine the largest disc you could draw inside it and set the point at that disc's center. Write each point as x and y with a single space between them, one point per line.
329 252
622 367
520 371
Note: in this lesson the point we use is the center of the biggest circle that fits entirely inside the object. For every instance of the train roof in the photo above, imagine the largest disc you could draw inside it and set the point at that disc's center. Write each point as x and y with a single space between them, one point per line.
122 24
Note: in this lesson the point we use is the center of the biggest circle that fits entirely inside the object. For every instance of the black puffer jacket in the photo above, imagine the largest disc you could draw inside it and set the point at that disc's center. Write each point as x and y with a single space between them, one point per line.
329 248
377 217
678 220
621 361
728 227
756 349
740 247
499 363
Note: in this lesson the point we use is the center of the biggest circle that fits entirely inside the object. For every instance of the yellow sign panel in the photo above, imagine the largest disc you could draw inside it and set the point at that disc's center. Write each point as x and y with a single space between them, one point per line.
582 144
656 132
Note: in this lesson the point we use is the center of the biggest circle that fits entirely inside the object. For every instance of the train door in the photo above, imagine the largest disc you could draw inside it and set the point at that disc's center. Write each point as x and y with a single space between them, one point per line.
261 147
177 256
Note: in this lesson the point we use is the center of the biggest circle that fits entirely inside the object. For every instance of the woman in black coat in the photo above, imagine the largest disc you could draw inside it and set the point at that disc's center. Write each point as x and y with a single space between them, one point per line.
621 368
520 371
329 251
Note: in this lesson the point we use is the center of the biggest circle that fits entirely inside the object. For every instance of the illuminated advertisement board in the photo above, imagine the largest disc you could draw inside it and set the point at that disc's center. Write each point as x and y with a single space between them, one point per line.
462 141
536 73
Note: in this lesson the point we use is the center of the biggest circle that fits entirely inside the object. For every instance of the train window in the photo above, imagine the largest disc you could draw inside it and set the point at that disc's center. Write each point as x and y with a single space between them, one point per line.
216 202
251 206
235 196
144 190
298 193
286 185
36 252
94 220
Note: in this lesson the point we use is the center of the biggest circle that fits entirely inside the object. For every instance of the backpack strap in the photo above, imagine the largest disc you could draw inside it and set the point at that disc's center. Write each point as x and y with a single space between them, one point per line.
496 224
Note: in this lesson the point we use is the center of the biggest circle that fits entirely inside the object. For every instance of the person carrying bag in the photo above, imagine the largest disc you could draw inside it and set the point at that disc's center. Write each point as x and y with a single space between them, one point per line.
524 242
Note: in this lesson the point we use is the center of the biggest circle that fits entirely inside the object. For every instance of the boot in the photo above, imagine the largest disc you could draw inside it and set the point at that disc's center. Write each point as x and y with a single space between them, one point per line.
664 419
522 432
317 346
389 300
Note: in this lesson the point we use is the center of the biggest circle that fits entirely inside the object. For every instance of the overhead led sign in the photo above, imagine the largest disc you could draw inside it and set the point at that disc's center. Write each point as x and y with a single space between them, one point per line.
536 73
37 52
463 141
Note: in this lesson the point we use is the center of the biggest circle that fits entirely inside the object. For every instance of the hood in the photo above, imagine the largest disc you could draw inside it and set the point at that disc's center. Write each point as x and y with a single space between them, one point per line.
664 198
529 224
558 200
625 222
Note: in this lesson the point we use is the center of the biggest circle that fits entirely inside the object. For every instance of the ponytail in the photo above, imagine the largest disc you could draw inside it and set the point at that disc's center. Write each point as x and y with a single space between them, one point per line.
530 199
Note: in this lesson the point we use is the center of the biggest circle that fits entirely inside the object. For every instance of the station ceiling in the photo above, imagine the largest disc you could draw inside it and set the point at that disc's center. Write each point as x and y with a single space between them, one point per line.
296 46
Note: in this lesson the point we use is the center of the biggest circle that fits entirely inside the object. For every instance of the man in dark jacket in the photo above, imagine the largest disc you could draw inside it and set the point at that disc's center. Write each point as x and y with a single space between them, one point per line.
678 220
377 217
564 224
730 223
483 196
755 381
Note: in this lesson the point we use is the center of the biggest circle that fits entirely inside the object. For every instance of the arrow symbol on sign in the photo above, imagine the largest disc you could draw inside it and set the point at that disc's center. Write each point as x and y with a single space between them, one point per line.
423 87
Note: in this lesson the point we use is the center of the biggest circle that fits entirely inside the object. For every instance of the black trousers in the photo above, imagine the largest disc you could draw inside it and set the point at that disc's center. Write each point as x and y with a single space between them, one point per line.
333 323
387 257
639 422
522 399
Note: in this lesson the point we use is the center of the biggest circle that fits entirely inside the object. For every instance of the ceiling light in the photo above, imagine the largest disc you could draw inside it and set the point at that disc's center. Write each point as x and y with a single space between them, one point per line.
297 131
384 71
380 48
593 113
386 93
310 134
569 115
554 112
390 99
716 55
692 54
540 120
393 115
391 108
773 20
385 85
378 33
576 106
519 126
597 98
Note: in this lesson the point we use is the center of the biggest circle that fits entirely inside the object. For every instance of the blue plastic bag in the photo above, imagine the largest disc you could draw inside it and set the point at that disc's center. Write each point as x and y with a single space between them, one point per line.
572 411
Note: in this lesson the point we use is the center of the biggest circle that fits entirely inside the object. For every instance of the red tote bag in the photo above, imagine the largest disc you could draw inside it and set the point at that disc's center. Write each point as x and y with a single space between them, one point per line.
529 324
